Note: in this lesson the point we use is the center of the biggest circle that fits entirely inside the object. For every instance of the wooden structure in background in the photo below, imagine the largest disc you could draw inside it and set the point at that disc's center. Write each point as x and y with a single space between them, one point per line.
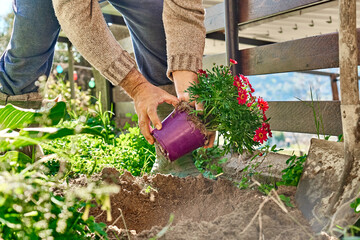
316 52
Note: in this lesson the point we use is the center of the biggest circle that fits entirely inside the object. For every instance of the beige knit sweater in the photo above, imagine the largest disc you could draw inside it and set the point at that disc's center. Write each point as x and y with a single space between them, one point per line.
84 25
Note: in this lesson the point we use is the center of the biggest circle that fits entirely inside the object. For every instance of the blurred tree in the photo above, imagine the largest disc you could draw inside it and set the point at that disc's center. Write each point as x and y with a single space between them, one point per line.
5 30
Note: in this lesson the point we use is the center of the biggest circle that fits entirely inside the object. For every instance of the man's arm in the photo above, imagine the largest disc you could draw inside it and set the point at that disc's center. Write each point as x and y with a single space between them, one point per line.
83 23
185 35
185 40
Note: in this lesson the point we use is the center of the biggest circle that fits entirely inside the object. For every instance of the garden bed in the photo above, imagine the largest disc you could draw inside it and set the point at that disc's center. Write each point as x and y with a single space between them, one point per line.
202 208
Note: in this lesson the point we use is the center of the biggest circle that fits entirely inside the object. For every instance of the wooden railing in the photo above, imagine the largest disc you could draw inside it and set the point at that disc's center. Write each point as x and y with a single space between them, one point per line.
309 53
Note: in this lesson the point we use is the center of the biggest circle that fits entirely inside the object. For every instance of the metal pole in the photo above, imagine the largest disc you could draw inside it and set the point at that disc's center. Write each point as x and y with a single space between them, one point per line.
350 108
334 87
232 33
71 70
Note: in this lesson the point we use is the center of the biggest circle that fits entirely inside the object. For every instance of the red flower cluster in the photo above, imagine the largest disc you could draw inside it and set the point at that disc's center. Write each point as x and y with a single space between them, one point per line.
245 91
264 132
202 72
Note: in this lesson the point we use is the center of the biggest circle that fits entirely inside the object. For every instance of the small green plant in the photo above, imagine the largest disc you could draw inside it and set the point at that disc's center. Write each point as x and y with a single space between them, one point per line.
292 173
318 118
209 160
349 233
286 200
102 120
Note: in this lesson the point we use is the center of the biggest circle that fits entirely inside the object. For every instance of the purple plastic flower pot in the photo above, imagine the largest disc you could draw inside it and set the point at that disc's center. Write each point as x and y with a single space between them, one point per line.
178 135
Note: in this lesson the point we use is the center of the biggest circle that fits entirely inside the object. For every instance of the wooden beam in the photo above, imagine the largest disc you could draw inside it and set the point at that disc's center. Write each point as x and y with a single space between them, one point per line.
243 40
251 10
71 70
215 18
255 10
316 52
232 34
298 116
102 86
210 60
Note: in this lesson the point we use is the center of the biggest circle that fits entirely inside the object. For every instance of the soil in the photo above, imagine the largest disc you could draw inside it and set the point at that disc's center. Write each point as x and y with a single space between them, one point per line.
202 208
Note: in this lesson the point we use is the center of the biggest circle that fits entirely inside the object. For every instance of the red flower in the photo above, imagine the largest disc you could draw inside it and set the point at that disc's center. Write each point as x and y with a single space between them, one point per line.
245 79
202 72
260 135
266 126
233 61
242 96
264 117
251 88
263 105
237 82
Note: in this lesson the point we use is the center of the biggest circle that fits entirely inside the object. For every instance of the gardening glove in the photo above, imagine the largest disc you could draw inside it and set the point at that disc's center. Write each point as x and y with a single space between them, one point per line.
146 98
182 81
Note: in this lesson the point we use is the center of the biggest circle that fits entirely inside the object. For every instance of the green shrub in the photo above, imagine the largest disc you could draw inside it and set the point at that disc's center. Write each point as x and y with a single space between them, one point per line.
90 154
30 210
292 173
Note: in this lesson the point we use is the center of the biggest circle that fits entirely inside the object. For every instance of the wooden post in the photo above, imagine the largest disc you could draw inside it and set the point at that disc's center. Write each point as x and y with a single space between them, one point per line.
102 86
350 111
232 33
71 70
334 87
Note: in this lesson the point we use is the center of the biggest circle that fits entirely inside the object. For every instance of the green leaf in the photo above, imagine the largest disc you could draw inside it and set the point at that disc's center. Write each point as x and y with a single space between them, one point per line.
14 160
12 117
32 136
57 112
286 200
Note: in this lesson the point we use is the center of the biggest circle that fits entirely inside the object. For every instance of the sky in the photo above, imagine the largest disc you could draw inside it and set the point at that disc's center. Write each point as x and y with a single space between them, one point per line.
5 7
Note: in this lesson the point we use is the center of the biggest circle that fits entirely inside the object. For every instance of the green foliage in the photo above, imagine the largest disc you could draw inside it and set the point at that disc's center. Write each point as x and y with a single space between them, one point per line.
350 232
222 112
286 200
209 160
90 154
12 117
102 120
14 161
356 205
292 173
76 107
29 209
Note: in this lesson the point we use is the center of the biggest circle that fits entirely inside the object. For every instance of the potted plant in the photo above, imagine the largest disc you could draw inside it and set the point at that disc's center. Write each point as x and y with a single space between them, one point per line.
229 107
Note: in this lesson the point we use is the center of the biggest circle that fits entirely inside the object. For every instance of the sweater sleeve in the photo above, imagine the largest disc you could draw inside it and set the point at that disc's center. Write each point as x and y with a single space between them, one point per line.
185 34
83 23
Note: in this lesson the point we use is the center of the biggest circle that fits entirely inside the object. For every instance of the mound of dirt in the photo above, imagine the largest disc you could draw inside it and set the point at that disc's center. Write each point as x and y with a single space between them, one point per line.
202 208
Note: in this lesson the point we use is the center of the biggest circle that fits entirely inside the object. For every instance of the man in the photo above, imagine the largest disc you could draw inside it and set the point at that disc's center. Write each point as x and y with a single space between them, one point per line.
168 39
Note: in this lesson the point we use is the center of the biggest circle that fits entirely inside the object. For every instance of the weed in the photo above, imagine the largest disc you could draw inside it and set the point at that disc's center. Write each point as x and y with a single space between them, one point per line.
292 173
209 160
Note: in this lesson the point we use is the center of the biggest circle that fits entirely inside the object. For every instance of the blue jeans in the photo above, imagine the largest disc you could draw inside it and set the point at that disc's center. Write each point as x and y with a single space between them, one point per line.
31 49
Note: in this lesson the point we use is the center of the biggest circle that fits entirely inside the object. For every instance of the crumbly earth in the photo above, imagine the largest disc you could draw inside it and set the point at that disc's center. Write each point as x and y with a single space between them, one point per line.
202 208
